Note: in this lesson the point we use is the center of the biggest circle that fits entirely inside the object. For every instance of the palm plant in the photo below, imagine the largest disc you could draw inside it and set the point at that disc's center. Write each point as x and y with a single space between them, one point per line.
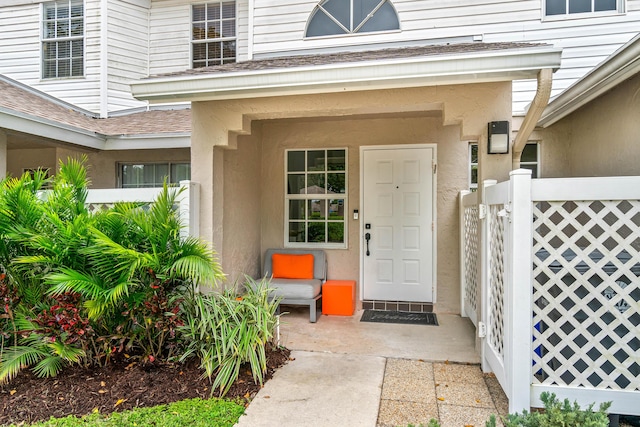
120 273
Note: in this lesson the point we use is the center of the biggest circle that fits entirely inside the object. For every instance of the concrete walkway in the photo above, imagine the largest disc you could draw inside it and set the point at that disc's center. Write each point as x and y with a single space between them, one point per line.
348 373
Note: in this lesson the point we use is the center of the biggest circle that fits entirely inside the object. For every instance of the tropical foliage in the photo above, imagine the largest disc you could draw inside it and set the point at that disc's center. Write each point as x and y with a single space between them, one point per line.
225 330
82 287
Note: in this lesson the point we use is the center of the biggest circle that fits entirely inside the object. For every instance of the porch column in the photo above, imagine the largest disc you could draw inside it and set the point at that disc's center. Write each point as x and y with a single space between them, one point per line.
212 131
3 154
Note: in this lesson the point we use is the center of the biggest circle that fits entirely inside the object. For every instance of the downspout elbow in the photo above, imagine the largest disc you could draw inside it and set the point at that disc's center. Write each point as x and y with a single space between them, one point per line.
539 103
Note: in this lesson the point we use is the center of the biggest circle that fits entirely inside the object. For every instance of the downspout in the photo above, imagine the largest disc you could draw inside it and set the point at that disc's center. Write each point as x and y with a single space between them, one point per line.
539 103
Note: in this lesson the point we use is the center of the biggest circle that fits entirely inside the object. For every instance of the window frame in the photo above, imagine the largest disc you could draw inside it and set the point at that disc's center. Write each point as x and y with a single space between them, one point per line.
307 197
619 10
120 165
474 186
536 163
44 39
193 41
348 32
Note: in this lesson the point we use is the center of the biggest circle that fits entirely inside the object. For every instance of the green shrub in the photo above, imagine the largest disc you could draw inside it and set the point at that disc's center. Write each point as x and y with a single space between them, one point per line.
557 414
79 287
186 413
227 330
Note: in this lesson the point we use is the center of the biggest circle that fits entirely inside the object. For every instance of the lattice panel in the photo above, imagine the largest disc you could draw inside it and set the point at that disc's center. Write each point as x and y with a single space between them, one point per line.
471 256
96 207
586 295
495 325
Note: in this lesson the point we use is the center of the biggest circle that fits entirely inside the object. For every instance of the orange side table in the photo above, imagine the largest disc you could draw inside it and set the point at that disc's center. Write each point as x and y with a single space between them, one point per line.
339 297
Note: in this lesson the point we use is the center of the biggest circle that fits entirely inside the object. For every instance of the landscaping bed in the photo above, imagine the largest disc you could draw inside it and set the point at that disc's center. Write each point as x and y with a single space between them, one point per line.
117 387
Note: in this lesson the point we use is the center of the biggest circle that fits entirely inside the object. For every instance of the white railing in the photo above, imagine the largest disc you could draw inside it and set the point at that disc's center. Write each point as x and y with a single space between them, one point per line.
560 287
187 202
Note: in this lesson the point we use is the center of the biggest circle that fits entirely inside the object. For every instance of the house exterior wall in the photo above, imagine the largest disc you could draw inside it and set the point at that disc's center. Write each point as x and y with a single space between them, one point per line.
109 66
20 50
242 187
102 169
599 139
127 50
448 116
150 37
351 134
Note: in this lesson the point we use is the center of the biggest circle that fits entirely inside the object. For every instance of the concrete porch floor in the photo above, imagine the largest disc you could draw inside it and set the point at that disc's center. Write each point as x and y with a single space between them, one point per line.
405 374
453 340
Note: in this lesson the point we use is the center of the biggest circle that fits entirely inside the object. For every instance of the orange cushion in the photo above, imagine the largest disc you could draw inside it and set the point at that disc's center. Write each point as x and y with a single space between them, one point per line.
287 266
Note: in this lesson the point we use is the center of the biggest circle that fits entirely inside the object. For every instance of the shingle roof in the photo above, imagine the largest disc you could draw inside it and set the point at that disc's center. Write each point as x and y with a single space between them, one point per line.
350 57
31 103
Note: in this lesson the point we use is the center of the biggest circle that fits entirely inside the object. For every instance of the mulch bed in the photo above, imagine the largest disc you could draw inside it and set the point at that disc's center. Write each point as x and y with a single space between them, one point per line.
121 386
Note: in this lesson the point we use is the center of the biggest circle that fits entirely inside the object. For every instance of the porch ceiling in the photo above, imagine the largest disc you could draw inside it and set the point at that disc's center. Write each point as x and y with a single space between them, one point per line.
384 69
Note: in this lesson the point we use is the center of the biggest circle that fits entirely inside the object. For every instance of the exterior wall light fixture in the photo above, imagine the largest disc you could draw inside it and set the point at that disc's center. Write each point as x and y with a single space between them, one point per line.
498 137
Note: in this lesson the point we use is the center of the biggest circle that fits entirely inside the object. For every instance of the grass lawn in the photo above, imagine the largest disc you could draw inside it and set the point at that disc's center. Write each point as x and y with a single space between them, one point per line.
186 413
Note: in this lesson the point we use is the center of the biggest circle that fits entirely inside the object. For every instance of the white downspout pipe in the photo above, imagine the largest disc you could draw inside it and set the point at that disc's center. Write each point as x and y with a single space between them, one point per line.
539 103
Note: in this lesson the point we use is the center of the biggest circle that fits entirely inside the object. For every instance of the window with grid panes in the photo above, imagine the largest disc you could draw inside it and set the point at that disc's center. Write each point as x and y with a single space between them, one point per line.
316 198
335 17
572 7
213 33
143 175
63 39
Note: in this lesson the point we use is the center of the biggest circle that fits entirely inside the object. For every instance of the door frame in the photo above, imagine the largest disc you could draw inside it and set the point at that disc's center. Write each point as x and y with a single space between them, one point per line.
434 210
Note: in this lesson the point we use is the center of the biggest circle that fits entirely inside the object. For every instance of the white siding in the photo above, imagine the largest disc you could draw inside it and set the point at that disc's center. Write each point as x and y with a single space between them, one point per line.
170 34
20 54
280 25
128 51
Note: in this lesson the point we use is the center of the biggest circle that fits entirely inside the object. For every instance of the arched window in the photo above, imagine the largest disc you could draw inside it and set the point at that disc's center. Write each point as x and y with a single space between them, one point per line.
333 17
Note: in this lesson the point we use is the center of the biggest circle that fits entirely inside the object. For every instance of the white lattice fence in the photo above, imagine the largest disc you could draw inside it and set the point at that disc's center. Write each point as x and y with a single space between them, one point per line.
586 290
496 240
470 254
587 294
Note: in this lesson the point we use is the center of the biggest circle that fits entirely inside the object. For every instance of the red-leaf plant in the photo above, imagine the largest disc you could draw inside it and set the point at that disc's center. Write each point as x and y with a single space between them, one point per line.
63 321
157 319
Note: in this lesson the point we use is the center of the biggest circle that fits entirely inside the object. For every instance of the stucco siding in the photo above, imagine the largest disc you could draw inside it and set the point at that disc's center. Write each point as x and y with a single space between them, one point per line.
242 210
351 134
602 138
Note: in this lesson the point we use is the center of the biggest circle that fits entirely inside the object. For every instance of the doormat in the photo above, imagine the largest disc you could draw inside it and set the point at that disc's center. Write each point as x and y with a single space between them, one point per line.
379 316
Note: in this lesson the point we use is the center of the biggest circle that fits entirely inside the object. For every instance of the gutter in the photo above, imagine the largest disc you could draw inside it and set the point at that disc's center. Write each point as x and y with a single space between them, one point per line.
539 103
351 76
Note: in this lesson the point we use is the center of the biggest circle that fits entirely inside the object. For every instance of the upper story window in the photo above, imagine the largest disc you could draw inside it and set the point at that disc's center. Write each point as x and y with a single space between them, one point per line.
316 198
335 17
213 32
570 7
143 175
63 39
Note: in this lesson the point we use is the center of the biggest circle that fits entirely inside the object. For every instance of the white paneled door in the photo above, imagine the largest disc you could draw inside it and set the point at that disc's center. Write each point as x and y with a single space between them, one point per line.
398 222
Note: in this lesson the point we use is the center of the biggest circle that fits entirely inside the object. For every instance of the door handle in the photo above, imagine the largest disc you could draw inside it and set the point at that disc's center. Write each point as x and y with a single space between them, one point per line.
367 237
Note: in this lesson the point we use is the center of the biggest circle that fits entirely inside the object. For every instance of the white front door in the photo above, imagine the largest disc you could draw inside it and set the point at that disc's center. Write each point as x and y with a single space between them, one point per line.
397 218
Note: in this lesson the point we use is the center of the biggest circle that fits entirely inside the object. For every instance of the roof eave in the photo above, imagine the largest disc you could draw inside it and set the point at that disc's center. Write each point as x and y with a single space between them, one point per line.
619 67
477 67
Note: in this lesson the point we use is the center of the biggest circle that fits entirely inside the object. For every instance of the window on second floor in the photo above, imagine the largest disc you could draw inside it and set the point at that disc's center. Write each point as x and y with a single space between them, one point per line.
144 175
63 39
571 7
334 17
213 33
